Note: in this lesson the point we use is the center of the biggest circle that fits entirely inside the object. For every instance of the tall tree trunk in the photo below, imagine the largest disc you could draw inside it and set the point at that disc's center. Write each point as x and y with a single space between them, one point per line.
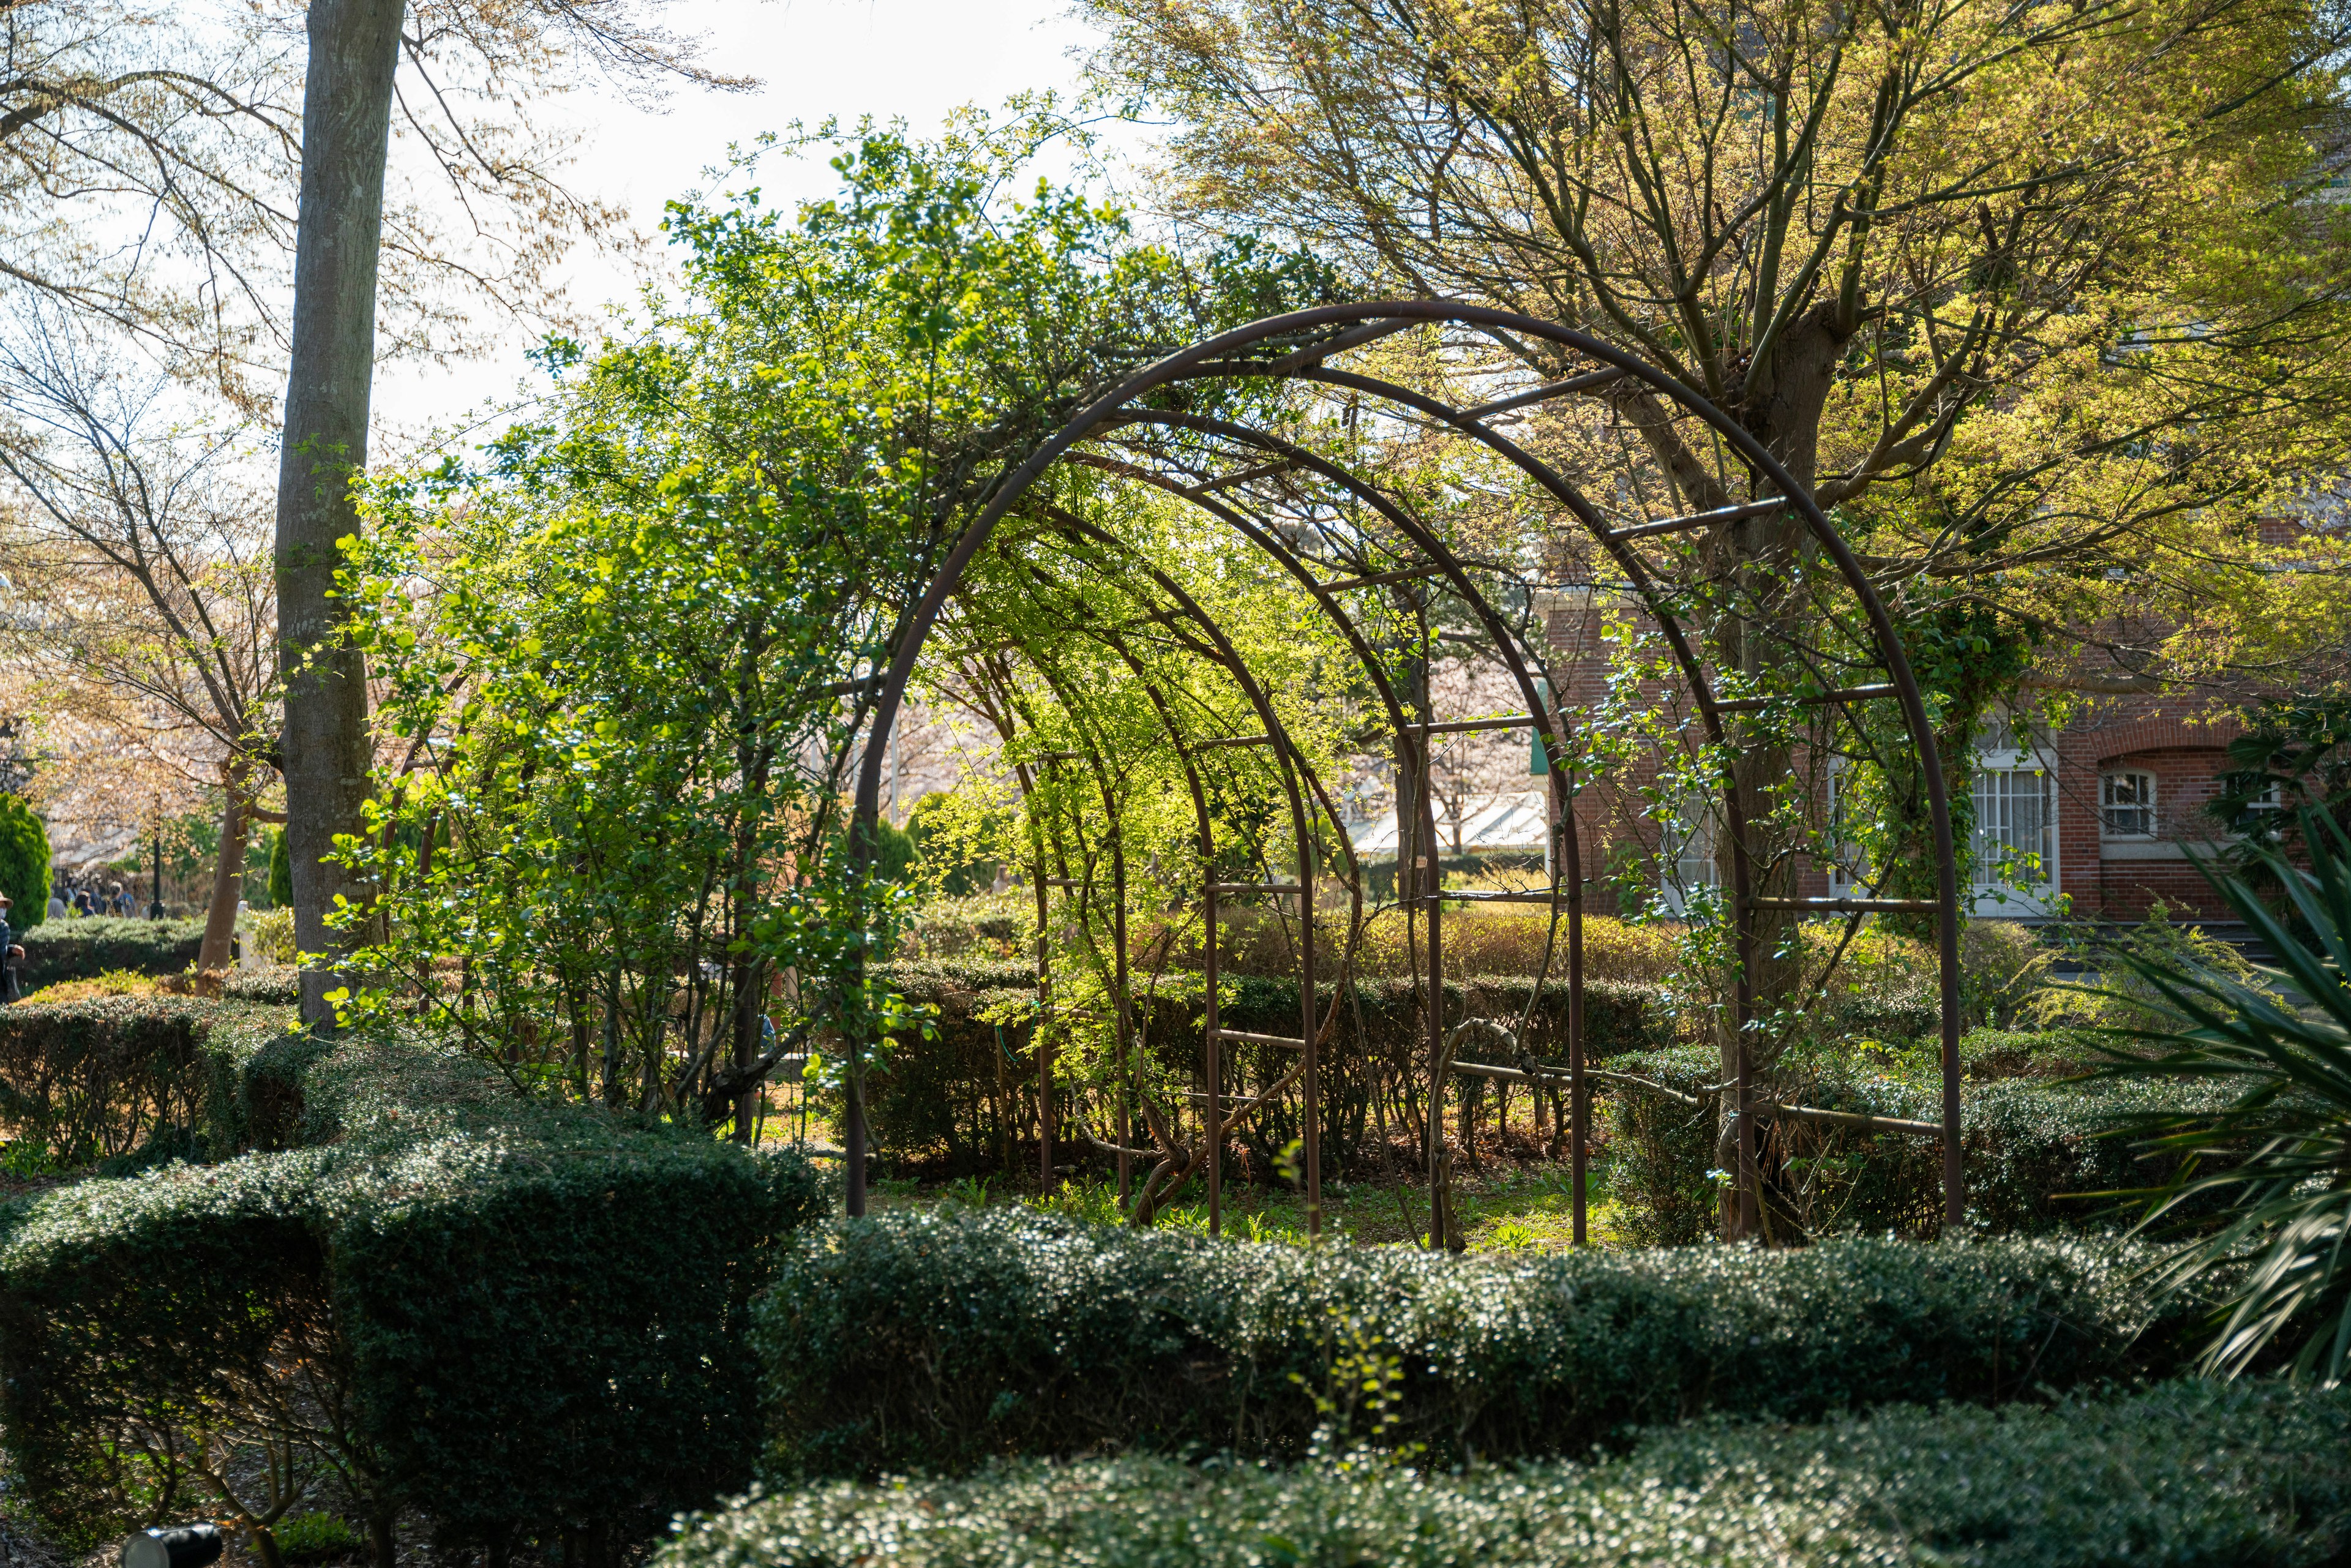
346 125
228 877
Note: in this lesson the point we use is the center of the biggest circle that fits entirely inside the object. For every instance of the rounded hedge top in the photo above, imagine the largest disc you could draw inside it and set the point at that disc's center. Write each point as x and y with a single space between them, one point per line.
23 862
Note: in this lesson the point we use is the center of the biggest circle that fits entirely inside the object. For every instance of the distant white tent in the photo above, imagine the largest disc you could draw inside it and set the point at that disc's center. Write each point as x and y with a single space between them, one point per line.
1490 823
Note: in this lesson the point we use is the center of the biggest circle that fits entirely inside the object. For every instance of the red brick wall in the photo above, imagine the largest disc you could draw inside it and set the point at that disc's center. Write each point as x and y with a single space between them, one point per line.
2183 744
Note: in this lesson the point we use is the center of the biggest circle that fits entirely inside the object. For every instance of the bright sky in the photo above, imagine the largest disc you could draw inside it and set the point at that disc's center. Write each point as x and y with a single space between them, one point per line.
915 59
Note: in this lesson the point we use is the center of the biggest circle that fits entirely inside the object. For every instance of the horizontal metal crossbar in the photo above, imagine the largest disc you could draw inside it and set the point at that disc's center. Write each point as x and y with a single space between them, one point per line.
1402 574
1253 887
1061 757
1850 905
1464 726
1700 519
1232 740
1263 471
1583 382
1067 881
1260 1038
1773 1108
1843 694
1496 898
1846 1118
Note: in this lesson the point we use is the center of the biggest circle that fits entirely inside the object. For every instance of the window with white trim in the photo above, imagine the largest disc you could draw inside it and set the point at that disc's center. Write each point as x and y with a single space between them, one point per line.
2016 824
2126 805
1686 852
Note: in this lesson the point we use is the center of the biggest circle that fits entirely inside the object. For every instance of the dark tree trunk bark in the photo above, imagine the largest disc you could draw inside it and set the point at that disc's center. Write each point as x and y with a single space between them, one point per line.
346 126
228 879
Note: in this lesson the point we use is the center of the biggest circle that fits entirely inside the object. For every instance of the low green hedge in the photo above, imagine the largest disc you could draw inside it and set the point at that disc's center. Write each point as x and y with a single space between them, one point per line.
114 1076
518 1319
940 1105
87 947
2184 1474
2035 1150
941 1339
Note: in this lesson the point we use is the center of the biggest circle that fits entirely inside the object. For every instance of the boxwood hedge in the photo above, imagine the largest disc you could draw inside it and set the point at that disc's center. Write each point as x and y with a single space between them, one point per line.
940 1103
112 1076
2037 1150
941 1339
84 948
523 1319
2183 1474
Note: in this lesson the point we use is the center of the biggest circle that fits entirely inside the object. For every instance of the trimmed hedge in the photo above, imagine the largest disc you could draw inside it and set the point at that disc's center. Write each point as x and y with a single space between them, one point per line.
112 1076
936 1105
2186 1474
2034 1148
84 948
941 1339
522 1318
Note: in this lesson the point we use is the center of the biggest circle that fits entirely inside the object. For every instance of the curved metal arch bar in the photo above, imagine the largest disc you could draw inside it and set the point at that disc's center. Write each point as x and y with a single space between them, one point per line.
917 625
1567 867
1292 759
1702 692
1291 763
1693 669
1205 828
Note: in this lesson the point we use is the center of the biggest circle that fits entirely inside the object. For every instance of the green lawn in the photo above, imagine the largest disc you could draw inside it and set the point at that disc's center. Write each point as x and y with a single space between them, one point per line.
1503 1208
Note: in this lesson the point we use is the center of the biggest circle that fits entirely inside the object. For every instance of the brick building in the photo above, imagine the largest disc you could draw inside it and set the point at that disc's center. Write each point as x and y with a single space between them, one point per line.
2105 812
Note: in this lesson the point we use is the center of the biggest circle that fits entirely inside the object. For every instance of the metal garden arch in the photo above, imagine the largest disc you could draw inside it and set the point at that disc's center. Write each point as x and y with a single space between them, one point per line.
1295 346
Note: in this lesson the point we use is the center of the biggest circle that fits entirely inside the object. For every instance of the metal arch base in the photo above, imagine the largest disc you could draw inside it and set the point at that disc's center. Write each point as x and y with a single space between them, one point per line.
1360 323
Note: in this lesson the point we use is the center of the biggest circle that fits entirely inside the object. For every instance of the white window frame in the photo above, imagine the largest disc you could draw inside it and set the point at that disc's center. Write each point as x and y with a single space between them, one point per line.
1991 896
1686 857
2141 782
1849 876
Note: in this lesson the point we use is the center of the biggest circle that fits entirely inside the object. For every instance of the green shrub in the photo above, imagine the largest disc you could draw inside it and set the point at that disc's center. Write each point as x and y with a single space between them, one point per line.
279 985
2035 1150
109 1075
518 1318
939 1340
307 1537
84 948
24 864
281 872
943 1105
2185 1474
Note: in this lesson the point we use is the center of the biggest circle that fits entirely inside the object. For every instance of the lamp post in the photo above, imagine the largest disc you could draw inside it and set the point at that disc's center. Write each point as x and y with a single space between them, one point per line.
155 908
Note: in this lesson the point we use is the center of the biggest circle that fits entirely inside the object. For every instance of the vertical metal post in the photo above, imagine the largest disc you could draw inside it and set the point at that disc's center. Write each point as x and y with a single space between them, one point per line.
1125 1013
1578 1095
1428 883
1040 1035
1313 1073
1215 1067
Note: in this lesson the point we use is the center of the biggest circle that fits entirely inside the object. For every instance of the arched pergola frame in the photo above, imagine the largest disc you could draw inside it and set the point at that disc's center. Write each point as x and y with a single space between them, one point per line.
1332 330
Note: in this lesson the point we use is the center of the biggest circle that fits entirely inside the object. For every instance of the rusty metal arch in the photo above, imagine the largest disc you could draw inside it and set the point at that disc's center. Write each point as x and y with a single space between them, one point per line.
1348 326
1293 767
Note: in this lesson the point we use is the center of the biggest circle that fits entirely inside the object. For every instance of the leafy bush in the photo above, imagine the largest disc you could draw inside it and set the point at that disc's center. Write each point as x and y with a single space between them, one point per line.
2035 1150
512 1316
2272 1057
281 871
280 984
2183 1474
944 1103
107 1076
307 1537
84 948
269 934
24 864
939 1340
